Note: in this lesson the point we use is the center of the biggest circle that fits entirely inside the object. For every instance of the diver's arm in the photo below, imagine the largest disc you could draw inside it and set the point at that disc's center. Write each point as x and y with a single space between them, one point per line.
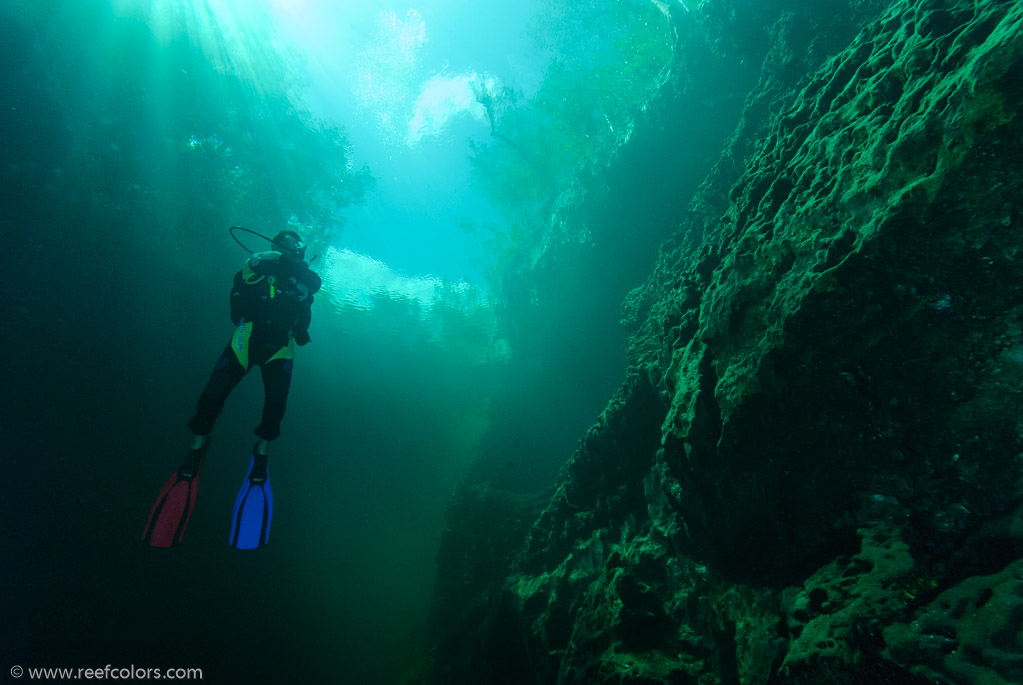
302 327
309 279
265 263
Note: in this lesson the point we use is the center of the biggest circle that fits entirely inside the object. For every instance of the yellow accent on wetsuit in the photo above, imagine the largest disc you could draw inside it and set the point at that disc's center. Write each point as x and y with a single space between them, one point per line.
249 274
286 352
240 343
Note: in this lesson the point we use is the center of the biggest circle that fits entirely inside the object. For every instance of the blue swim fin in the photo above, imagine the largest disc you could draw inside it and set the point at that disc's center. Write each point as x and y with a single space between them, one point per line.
250 525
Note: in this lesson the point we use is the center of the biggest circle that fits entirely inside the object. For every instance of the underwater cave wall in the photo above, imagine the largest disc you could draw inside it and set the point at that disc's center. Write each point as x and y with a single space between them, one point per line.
812 473
732 65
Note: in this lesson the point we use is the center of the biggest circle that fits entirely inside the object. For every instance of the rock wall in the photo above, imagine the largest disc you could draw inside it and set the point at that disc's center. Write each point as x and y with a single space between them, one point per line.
812 473
603 233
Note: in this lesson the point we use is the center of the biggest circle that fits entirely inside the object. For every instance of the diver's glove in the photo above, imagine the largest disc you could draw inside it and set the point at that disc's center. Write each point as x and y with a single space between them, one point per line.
269 256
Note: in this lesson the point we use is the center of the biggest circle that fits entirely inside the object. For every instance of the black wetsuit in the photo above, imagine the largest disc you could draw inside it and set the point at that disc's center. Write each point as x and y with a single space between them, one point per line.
271 304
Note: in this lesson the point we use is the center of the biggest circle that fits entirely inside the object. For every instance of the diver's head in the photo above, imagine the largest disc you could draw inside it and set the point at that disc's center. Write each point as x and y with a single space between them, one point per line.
290 244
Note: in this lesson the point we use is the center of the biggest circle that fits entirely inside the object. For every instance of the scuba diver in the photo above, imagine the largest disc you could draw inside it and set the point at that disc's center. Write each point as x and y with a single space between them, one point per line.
271 306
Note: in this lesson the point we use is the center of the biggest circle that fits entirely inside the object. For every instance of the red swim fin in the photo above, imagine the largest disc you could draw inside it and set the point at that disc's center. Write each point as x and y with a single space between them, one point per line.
173 508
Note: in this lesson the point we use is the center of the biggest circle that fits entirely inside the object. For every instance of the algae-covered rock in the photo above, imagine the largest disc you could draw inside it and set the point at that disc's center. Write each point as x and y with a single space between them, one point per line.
843 605
972 632
835 336
811 472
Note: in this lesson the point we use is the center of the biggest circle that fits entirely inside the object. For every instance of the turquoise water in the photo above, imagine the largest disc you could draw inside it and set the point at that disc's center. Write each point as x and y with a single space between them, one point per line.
420 150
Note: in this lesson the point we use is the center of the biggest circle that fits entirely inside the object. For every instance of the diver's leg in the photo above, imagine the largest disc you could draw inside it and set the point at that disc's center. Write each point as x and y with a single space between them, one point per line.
276 383
226 374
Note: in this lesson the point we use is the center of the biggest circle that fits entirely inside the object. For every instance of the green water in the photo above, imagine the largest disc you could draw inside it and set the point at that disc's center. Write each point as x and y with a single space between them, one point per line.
421 151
